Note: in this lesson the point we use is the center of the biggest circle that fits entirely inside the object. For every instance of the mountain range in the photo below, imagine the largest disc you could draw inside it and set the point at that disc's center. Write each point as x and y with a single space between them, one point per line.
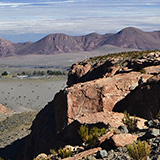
61 43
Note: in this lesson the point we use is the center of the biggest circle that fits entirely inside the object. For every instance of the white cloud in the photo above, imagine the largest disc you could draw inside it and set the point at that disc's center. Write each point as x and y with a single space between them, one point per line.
33 3
81 17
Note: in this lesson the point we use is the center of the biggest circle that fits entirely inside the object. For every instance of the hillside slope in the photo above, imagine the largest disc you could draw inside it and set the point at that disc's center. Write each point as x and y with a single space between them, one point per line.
7 48
135 38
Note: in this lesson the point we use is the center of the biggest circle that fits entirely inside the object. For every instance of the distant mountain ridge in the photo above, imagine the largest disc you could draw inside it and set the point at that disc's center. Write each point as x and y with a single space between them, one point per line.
61 43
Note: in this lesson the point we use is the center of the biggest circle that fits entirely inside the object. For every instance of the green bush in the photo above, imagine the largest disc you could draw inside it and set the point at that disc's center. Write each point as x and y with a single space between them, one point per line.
5 73
63 152
83 132
50 72
143 71
90 136
53 152
139 151
131 123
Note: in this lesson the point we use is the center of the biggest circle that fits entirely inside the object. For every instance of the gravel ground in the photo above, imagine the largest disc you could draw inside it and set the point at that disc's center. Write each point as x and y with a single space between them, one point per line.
15 127
29 94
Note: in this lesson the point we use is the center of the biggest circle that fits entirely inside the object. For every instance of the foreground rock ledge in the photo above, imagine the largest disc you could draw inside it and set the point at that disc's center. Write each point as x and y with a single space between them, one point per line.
94 101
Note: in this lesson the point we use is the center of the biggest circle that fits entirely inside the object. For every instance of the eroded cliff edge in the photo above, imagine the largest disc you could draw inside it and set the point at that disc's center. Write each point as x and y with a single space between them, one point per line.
96 88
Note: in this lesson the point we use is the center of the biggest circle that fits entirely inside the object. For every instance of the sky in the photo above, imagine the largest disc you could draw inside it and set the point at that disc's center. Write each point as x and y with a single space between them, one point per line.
30 20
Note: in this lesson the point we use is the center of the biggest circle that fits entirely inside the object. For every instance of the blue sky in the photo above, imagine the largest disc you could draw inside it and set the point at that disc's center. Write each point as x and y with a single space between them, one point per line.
30 20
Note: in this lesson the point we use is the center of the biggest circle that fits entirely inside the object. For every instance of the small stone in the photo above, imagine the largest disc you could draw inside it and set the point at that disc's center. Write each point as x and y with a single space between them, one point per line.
154 132
149 123
152 123
101 154
123 129
91 157
158 158
147 158
41 156
151 133
119 149
122 158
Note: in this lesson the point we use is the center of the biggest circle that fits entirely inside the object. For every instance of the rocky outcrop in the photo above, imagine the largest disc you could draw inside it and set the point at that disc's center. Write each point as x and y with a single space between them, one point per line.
109 65
99 95
126 84
4 110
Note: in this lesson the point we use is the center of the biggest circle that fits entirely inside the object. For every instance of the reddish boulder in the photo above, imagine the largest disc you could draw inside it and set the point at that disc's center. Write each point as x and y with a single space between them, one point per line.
121 140
4 110
84 154
99 95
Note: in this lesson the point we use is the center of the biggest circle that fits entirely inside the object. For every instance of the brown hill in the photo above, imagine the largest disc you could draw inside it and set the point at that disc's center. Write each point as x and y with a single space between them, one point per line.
135 38
6 48
61 43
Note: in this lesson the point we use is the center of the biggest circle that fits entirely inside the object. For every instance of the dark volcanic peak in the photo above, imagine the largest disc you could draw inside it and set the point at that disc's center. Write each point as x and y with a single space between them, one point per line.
61 43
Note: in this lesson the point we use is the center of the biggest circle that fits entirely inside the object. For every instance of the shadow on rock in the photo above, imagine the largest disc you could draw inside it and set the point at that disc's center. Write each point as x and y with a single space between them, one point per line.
11 151
144 101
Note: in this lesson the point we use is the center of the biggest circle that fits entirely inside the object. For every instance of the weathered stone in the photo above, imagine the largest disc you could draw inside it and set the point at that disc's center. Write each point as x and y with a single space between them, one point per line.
4 110
123 129
91 157
153 123
121 140
105 137
101 154
158 158
41 156
149 123
152 133
100 95
74 148
152 69
148 158
84 154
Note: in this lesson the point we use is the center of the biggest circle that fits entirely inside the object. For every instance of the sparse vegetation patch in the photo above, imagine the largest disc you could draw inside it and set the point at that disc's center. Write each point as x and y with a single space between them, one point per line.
139 151
90 136
122 55
64 152
131 123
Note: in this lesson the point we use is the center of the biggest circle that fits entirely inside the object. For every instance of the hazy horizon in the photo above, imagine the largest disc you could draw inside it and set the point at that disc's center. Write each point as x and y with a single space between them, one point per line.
22 21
